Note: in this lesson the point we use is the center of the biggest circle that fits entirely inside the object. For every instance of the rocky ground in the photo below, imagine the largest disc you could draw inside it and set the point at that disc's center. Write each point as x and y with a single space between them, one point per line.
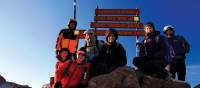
5 84
127 77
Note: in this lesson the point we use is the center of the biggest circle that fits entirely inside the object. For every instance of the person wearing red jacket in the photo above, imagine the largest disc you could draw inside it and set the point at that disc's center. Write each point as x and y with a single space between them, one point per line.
73 74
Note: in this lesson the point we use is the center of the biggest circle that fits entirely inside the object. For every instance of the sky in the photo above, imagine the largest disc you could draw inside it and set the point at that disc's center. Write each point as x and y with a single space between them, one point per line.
29 28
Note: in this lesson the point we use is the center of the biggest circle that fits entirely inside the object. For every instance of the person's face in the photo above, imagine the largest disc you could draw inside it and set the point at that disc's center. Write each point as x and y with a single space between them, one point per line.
80 57
72 25
89 36
63 55
111 38
169 33
148 29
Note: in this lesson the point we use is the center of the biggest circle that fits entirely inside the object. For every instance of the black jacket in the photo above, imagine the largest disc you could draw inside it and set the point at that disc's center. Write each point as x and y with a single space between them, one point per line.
113 55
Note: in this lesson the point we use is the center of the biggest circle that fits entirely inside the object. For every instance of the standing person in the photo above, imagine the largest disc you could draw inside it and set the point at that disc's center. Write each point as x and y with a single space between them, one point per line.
74 74
92 45
179 48
113 53
153 54
93 49
67 39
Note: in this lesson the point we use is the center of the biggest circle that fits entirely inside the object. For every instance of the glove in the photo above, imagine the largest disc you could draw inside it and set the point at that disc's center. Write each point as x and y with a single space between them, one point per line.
139 44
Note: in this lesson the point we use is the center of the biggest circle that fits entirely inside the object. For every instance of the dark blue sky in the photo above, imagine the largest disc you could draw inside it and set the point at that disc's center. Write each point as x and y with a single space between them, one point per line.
29 28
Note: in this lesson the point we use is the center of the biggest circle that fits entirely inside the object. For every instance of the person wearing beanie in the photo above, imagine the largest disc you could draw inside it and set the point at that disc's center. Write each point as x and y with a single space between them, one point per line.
74 73
154 53
179 47
63 60
113 53
67 39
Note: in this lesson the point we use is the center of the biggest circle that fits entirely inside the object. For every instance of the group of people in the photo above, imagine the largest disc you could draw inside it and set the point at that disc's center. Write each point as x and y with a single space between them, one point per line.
75 68
162 56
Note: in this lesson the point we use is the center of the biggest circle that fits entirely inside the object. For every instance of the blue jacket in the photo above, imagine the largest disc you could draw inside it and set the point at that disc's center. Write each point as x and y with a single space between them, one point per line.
155 46
179 45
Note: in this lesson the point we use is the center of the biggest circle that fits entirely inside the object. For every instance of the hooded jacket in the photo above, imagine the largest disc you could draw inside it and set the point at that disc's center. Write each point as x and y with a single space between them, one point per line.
114 54
156 47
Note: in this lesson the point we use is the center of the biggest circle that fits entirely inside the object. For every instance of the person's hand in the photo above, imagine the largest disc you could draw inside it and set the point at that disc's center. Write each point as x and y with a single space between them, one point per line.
138 44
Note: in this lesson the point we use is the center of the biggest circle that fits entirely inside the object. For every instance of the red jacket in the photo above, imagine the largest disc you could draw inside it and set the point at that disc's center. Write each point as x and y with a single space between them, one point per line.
71 74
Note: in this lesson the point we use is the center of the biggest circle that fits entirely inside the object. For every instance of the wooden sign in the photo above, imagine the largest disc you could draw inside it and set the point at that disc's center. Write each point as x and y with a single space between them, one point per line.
120 33
117 11
115 25
117 18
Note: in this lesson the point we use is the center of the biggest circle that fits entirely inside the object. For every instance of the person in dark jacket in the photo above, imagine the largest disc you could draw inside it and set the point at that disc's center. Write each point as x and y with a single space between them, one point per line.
179 47
153 54
113 53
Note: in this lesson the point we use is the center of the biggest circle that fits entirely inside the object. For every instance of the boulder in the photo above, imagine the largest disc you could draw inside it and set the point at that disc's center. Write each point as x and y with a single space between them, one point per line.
5 84
197 86
126 77
2 80
120 78
150 82
46 86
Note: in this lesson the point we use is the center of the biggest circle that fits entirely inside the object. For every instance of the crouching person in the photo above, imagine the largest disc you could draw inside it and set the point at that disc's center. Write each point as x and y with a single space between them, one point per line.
72 74
153 55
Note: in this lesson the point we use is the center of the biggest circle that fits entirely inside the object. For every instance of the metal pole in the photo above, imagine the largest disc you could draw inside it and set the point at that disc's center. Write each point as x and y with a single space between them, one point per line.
137 38
74 3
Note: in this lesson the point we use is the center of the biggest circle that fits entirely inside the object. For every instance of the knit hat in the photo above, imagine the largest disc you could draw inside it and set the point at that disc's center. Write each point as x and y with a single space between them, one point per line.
111 31
68 56
72 21
150 24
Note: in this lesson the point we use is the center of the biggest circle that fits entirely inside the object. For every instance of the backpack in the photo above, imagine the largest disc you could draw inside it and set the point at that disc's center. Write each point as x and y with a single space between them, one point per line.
169 49
186 45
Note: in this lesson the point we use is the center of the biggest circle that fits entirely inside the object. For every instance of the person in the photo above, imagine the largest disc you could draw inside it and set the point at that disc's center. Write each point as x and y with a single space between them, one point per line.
179 49
74 73
67 39
63 60
113 53
153 54
93 49
92 45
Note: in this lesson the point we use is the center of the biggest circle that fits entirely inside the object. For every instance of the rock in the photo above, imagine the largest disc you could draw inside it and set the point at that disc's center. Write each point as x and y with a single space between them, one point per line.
46 86
150 82
127 77
13 85
120 78
197 86
5 84
2 80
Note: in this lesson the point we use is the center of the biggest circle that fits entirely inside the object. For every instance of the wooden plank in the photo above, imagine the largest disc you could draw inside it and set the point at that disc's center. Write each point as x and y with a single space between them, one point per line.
115 25
120 33
117 18
117 11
